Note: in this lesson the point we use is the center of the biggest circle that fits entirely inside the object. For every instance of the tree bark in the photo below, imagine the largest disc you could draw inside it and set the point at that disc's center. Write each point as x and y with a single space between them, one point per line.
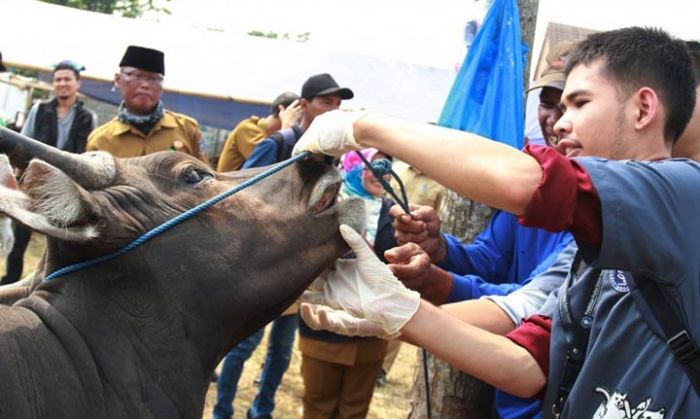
454 394
528 22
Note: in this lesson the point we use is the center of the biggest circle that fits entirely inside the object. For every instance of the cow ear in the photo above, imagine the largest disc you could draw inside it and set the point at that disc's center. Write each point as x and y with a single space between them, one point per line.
52 204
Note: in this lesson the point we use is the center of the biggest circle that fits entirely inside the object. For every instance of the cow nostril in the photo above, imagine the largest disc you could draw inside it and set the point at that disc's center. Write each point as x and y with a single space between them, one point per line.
327 200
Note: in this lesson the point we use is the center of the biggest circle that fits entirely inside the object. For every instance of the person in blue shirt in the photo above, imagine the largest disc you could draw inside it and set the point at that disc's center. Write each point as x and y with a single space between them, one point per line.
319 94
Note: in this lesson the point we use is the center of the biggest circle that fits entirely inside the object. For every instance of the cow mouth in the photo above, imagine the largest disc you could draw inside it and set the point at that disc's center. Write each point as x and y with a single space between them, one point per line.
327 199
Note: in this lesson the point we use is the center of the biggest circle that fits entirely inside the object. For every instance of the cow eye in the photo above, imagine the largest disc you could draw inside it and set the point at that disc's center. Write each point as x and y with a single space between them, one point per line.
193 175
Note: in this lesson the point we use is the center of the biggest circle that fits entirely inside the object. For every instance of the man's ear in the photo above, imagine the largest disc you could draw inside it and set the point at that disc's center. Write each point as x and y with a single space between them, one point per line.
647 108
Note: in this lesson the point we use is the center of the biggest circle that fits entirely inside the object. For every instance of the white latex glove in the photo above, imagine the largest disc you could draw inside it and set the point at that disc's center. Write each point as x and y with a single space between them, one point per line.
7 237
330 133
361 296
321 317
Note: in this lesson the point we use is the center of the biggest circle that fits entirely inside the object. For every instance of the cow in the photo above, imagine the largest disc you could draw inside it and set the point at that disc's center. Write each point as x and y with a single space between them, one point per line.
139 336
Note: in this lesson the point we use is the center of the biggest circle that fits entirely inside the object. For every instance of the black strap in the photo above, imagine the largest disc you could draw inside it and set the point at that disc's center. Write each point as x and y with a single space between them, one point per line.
579 330
677 336
285 148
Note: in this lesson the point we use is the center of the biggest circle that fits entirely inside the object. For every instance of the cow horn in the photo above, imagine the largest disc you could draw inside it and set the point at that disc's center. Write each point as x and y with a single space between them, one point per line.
91 172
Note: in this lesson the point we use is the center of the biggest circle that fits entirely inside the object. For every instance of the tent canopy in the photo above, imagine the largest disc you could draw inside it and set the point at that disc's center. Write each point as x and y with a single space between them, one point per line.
217 77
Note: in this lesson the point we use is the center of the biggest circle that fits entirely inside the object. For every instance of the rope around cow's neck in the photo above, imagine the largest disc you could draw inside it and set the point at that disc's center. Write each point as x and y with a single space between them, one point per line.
379 171
175 220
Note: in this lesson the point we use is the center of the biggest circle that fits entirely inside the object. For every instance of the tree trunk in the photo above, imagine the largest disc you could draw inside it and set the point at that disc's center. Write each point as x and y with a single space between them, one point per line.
454 394
528 22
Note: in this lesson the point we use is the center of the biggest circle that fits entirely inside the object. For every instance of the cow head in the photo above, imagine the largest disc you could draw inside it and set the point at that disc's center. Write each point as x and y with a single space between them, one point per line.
199 287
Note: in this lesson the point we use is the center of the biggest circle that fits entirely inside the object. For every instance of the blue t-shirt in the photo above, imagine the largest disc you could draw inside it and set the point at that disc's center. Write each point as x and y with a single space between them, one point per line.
650 225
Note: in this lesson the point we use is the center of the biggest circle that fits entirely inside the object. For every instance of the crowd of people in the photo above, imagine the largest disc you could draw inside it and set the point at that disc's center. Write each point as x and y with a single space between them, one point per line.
579 299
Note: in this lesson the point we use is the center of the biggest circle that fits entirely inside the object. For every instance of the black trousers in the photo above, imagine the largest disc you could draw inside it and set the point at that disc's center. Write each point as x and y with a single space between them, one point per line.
15 260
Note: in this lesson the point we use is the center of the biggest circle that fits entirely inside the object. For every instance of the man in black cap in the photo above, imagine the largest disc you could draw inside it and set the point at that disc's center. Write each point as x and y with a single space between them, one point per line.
62 122
142 125
319 94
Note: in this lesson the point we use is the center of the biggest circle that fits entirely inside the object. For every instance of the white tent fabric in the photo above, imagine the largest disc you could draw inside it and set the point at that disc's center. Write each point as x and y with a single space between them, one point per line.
215 64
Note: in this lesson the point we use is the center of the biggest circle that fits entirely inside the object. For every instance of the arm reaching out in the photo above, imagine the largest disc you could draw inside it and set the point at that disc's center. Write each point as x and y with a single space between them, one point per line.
374 303
475 167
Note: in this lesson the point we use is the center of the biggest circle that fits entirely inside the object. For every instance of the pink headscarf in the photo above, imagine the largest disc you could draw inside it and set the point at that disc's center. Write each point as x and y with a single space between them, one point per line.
350 160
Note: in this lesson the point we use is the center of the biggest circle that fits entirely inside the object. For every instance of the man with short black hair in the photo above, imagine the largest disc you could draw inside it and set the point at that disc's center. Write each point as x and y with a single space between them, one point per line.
143 125
62 122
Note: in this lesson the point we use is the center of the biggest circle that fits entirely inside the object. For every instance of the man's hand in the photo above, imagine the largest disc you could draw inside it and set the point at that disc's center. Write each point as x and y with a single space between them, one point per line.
290 115
330 133
412 266
421 227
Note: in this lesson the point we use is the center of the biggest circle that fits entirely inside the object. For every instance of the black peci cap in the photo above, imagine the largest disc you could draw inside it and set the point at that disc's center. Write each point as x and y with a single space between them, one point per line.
144 58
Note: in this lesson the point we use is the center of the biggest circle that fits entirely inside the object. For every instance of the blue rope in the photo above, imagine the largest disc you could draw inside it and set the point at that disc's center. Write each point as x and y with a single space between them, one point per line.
176 220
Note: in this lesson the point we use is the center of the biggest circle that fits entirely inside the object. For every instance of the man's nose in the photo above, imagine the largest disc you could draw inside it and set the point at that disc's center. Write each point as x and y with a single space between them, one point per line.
562 126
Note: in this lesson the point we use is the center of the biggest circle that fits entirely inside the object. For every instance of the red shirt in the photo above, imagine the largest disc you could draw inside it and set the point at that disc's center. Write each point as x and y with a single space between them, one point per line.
565 198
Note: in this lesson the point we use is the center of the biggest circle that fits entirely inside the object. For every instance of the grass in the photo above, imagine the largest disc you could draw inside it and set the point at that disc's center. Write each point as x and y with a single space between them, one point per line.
390 401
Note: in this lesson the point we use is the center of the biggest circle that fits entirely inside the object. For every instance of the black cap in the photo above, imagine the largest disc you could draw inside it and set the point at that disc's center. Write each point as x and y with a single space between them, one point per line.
144 58
324 85
2 66
285 99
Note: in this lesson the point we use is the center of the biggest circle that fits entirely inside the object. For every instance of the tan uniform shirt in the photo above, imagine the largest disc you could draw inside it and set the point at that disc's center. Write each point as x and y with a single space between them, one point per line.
174 131
241 142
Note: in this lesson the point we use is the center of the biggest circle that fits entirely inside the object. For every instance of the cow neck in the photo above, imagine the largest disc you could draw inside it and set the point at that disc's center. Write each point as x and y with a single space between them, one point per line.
76 350
119 334
176 220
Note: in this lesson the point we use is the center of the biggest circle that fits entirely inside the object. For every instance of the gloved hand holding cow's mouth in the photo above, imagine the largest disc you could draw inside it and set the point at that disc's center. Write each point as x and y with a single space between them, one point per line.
360 297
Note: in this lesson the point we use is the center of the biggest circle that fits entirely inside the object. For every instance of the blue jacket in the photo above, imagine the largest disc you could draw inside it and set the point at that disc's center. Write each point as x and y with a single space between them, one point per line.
503 258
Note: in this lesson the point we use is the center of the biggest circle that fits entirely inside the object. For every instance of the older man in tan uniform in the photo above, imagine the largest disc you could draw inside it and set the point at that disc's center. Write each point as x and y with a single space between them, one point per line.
142 125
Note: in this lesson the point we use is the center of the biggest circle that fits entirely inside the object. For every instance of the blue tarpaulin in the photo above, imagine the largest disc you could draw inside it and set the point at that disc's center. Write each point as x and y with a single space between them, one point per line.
487 95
